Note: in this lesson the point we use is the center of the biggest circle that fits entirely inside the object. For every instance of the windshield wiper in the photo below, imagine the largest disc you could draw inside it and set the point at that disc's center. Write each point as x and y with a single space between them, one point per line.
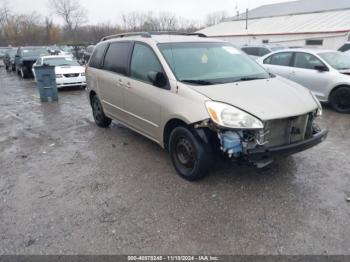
198 82
250 78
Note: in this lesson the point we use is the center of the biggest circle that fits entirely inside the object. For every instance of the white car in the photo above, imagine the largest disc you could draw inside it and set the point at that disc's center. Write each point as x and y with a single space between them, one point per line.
68 71
326 73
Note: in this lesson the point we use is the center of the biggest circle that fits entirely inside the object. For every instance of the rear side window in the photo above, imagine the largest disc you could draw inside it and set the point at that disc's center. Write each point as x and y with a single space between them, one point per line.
97 56
281 59
264 51
143 61
117 57
344 48
251 51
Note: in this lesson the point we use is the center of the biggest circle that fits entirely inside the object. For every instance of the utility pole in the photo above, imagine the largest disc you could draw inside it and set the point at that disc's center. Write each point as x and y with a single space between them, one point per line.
246 19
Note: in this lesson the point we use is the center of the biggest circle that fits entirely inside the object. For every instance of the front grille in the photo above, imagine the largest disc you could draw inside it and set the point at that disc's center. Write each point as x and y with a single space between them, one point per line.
287 131
71 75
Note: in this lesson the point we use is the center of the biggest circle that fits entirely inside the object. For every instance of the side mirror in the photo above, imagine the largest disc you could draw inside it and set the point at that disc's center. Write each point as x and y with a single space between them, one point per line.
158 79
321 68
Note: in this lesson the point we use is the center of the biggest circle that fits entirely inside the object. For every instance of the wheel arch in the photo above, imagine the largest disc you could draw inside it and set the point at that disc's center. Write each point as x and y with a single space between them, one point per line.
336 88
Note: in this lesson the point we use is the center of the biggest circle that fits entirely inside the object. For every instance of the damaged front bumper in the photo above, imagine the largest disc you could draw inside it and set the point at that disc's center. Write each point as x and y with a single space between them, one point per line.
279 137
263 154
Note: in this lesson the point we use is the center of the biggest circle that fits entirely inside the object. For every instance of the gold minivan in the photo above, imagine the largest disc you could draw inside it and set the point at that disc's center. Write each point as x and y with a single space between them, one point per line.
199 98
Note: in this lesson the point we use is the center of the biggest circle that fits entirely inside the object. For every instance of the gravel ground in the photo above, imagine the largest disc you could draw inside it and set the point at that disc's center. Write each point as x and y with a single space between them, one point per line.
68 187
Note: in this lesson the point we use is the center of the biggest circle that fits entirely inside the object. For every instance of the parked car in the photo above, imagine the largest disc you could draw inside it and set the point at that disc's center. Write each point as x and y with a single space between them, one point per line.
87 53
256 51
9 59
200 98
345 47
68 71
65 51
26 57
3 51
326 73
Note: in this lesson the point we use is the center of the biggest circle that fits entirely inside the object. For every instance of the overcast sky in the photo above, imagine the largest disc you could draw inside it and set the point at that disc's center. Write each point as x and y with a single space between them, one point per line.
111 10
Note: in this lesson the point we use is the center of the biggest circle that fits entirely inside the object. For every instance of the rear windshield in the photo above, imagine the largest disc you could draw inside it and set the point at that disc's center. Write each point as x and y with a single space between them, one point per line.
34 52
60 62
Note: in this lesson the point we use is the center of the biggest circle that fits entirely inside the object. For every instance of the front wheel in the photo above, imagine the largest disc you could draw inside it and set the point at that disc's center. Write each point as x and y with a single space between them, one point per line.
24 72
340 99
100 118
191 157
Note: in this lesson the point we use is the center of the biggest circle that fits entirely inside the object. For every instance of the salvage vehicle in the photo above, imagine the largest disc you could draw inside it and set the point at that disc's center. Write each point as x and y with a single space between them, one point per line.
200 98
69 73
325 72
9 59
26 57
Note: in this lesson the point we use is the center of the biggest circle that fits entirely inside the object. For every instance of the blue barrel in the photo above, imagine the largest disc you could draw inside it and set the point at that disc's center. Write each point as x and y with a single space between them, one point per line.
46 81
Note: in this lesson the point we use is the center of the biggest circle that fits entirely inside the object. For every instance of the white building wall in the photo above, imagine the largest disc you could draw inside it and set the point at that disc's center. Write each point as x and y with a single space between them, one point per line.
330 40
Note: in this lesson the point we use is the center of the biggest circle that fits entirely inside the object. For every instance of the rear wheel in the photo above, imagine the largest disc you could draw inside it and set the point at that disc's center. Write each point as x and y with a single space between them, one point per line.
340 99
7 67
191 157
24 72
100 118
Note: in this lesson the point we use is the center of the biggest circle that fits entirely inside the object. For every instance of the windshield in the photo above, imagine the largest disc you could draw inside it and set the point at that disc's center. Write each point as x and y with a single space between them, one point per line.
210 63
35 52
60 62
12 52
337 60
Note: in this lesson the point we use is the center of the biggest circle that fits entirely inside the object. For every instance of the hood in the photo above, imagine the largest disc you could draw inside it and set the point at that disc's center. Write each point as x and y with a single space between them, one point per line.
69 69
268 99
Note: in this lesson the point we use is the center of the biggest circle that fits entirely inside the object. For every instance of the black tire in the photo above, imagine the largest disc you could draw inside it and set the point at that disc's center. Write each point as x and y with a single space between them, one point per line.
13 68
24 72
7 68
100 118
340 99
191 157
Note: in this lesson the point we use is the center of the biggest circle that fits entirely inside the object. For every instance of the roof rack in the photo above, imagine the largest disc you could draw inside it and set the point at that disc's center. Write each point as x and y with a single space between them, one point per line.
149 34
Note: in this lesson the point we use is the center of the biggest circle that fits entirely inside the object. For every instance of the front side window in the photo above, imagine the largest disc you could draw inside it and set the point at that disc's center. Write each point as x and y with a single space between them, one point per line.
280 59
143 62
97 56
306 61
117 57
210 63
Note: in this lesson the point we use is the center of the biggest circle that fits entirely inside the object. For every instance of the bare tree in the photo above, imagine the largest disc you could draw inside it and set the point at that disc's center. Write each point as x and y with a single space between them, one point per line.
167 22
216 18
73 14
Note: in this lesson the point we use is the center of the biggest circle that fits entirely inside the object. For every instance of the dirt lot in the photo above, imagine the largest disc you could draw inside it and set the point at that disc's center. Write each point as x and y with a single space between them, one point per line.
68 187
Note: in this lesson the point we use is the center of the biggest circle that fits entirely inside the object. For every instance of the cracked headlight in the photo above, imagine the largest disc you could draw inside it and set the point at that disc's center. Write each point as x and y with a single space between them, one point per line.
319 110
228 116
